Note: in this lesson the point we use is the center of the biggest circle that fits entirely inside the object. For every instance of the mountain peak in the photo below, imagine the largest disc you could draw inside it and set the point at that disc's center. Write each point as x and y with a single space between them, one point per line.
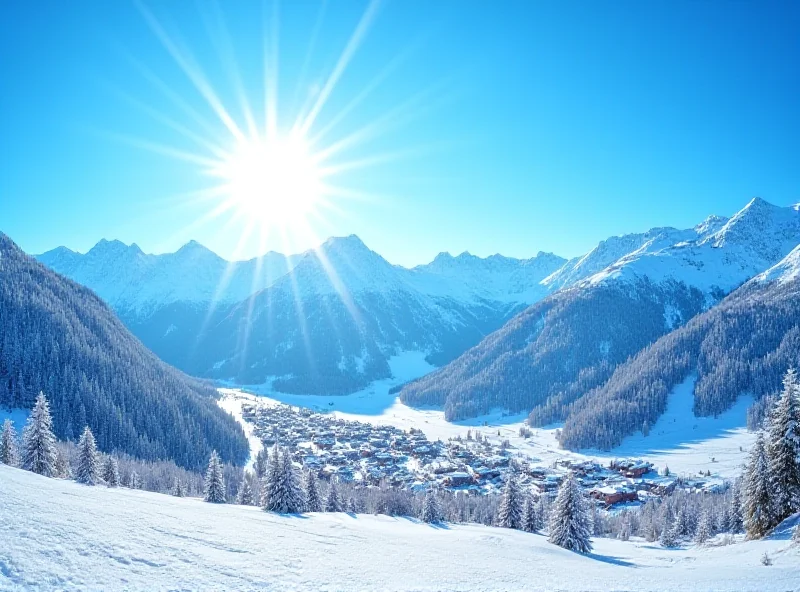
351 241
761 225
105 247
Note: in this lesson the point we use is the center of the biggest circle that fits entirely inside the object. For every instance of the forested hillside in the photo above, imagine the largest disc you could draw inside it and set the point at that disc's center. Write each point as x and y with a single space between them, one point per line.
743 345
60 338
555 351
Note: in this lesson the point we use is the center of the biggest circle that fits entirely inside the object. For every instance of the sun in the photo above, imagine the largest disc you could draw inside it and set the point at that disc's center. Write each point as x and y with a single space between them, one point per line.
275 182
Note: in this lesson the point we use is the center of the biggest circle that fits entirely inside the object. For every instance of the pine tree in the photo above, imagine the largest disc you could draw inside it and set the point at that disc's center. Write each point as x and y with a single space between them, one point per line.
670 535
352 507
110 471
758 517
296 495
273 488
332 502
261 463
783 449
88 469
703 532
431 512
509 513
313 501
177 489
282 491
245 496
542 512
135 481
735 521
681 523
214 487
9 451
570 519
796 533
38 440
530 521
61 468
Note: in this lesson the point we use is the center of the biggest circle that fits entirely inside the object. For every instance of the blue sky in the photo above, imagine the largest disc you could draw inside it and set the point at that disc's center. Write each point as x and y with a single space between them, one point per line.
521 126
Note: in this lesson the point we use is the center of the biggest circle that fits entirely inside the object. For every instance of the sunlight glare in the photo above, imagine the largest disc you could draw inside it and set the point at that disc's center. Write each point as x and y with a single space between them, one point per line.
275 182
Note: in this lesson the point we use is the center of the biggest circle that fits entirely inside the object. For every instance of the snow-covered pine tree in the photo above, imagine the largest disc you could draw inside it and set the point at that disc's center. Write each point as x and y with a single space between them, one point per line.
332 502
38 440
757 508
178 489
542 512
352 507
625 530
9 451
282 491
796 533
431 512
509 513
530 521
570 519
135 481
110 471
61 468
704 530
261 463
783 449
735 522
214 486
273 487
88 469
313 500
681 523
296 495
245 495
670 535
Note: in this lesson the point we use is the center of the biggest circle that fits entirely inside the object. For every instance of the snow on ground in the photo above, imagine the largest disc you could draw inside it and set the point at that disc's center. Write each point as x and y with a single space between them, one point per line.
373 400
687 444
233 405
58 535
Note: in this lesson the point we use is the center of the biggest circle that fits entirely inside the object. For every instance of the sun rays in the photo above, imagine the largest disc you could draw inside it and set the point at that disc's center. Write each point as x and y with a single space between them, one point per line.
264 174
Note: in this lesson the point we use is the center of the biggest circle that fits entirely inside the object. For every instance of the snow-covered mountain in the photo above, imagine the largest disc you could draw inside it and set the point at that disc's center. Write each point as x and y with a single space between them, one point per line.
714 256
606 307
328 319
745 344
341 301
504 279
786 270
140 284
331 324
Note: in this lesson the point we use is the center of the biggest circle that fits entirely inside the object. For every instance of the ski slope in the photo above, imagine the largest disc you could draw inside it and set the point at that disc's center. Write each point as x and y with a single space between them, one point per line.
58 535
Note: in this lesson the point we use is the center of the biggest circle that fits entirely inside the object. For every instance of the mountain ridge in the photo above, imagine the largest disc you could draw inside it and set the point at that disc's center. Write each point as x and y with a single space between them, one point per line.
61 338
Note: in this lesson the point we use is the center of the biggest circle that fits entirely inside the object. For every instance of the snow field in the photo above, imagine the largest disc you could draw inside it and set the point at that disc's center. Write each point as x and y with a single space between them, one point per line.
58 535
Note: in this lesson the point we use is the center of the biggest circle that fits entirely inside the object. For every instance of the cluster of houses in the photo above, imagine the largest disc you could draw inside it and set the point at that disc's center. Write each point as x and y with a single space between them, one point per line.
368 454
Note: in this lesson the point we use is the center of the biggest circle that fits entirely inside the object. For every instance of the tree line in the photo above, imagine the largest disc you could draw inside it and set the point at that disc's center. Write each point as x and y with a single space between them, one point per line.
767 493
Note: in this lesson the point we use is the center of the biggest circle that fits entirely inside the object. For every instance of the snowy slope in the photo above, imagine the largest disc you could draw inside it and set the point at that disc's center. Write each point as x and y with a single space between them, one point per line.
785 271
59 535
